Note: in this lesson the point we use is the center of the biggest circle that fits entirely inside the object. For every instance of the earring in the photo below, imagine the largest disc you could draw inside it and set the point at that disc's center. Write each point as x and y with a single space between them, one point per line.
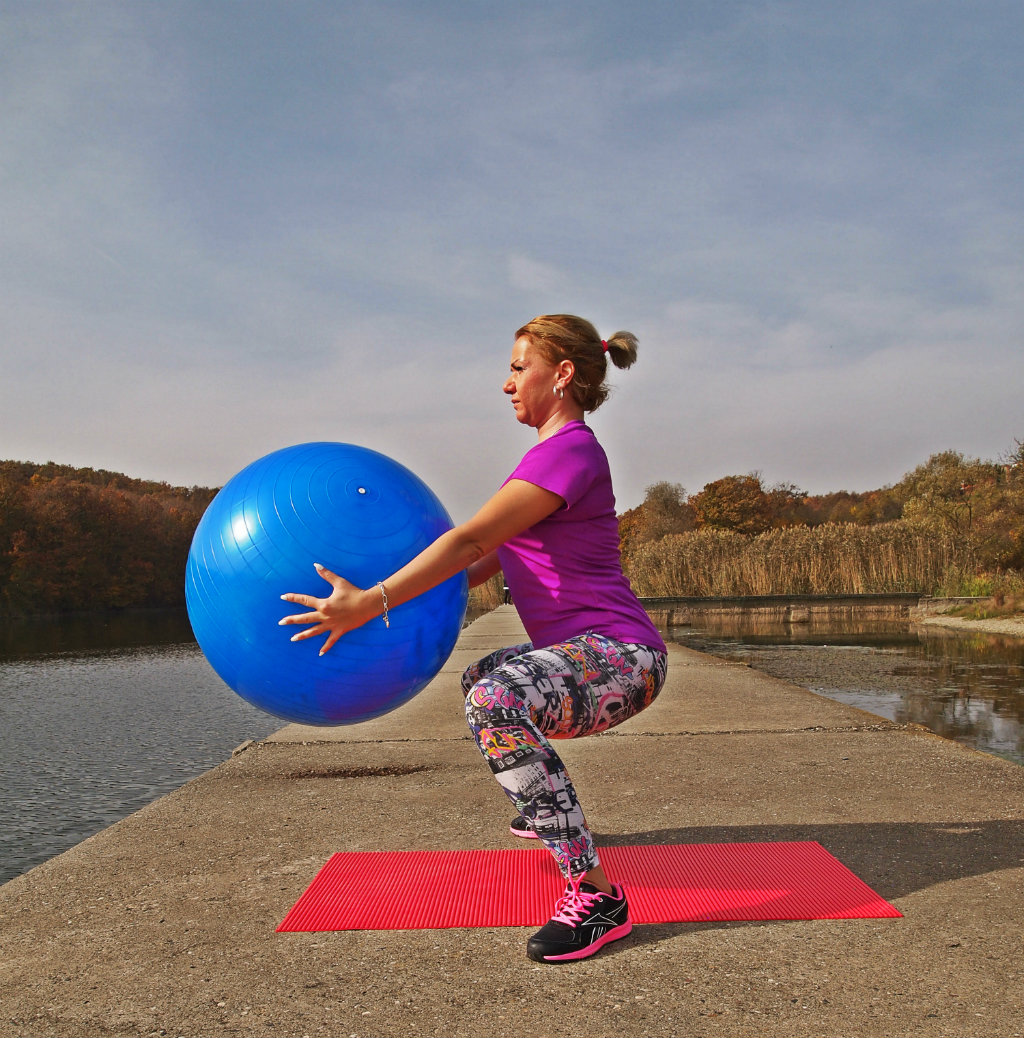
557 390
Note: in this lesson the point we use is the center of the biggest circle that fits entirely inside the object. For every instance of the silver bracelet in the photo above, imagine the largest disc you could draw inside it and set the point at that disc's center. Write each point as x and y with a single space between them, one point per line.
384 596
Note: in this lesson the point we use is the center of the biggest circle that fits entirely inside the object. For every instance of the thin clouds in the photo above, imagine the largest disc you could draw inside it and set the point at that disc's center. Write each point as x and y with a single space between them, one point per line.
227 232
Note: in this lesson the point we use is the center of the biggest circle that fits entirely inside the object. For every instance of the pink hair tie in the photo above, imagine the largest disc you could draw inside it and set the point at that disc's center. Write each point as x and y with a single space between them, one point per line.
604 346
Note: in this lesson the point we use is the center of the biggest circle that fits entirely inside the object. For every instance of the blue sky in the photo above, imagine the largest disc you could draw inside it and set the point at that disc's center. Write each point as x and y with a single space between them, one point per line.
228 227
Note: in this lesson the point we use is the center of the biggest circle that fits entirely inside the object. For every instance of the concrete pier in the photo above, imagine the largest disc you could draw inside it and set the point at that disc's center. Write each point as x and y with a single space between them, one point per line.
165 923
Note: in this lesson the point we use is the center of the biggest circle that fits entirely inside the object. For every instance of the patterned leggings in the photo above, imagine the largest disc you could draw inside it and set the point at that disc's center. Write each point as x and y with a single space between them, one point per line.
520 697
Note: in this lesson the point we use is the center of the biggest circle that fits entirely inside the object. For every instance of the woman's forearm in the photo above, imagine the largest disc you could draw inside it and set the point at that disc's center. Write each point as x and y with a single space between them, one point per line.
451 553
471 545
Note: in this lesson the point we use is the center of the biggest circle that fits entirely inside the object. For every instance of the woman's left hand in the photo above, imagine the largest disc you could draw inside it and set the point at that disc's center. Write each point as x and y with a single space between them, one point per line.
342 610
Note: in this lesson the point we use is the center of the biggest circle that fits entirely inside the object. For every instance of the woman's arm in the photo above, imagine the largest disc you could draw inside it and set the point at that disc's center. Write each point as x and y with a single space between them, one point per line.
482 571
516 507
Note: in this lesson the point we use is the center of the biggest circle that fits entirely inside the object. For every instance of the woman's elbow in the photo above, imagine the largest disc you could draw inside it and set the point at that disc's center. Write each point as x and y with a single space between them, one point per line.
474 553
469 547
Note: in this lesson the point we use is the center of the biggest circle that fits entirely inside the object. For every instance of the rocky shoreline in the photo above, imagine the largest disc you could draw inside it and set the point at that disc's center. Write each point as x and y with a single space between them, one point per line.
1012 625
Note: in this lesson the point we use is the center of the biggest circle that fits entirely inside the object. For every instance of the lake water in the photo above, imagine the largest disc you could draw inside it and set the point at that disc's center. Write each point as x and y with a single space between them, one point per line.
100 717
964 686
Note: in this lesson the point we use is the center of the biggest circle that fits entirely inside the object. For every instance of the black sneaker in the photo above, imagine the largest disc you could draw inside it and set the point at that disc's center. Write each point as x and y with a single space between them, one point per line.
521 827
585 920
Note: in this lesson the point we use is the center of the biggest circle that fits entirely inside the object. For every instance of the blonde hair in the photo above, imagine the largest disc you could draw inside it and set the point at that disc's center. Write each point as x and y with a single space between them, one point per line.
559 337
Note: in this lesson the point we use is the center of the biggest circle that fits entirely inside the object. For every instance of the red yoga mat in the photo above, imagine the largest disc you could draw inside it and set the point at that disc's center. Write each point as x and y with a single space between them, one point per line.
679 883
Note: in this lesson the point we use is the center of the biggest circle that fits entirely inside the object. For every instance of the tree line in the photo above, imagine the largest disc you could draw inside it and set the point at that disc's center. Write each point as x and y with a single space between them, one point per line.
76 539
954 526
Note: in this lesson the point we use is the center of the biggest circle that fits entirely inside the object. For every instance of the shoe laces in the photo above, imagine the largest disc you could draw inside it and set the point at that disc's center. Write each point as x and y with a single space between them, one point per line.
575 903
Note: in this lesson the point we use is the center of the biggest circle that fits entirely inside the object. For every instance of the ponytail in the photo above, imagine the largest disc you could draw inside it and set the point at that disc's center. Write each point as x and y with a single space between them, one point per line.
621 348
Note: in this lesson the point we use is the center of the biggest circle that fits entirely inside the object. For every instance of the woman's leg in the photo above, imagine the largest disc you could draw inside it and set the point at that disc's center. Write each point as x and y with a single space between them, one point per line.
573 689
475 671
565 691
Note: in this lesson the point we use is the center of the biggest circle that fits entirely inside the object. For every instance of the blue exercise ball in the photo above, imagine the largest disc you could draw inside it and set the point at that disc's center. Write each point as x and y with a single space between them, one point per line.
360 514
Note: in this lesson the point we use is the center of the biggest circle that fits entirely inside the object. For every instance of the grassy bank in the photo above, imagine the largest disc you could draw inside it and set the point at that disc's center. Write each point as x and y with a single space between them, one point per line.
833 559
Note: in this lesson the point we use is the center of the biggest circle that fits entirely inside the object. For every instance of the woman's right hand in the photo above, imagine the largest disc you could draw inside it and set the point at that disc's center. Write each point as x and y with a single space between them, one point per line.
344 609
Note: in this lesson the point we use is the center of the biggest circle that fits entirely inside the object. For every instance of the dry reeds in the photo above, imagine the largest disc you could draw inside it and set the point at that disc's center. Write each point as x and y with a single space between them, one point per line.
833 559
488 595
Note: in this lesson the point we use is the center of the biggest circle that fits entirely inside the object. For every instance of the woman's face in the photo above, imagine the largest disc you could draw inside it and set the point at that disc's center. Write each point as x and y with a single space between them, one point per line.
531 384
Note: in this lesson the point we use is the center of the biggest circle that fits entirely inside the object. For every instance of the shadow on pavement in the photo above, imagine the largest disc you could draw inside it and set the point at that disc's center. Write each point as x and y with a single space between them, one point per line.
893 858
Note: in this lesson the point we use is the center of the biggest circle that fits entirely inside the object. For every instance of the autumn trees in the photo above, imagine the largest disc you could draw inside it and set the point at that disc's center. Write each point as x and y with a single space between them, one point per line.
944 524
80 539
980 503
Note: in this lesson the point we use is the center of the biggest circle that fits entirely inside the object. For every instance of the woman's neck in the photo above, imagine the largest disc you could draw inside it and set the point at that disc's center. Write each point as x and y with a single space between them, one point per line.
556 422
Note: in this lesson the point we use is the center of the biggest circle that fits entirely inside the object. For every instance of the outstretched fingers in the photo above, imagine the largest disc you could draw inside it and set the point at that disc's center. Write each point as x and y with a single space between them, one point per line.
311 602
322 617
315 605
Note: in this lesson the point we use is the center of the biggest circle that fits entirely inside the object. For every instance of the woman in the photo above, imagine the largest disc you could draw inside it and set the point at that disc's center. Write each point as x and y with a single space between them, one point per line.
594 658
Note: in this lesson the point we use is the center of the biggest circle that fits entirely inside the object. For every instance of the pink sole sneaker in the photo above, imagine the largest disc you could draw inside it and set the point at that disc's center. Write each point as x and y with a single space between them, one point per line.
585 920
594 947
521 827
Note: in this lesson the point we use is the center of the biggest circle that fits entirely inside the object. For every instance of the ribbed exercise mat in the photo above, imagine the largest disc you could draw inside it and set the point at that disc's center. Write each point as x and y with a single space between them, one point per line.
677 883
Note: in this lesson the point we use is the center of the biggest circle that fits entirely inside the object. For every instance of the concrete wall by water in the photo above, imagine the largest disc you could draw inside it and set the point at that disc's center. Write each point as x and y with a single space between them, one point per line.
799 608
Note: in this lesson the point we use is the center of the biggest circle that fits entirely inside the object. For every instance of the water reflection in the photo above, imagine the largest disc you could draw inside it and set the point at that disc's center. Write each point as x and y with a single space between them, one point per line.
967 686
92 633
98 718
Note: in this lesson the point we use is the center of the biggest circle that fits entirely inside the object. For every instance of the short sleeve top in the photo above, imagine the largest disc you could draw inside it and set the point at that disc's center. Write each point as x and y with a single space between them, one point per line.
565 573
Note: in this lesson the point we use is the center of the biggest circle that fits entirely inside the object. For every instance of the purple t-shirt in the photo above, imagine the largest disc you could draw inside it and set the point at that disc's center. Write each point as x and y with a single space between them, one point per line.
564 573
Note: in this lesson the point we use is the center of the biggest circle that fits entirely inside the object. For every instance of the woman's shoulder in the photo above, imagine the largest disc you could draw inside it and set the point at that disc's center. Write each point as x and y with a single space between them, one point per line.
581 441
568 463
573 444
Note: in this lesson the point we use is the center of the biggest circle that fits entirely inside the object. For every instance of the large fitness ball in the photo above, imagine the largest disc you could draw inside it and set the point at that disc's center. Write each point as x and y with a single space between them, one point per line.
361 515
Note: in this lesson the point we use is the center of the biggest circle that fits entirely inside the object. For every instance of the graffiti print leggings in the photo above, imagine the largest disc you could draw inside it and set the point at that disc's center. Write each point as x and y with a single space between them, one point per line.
520 697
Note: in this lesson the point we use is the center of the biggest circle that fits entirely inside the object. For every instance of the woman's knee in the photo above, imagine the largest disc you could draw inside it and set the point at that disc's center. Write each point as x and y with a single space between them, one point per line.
490 663
480 703
491 701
